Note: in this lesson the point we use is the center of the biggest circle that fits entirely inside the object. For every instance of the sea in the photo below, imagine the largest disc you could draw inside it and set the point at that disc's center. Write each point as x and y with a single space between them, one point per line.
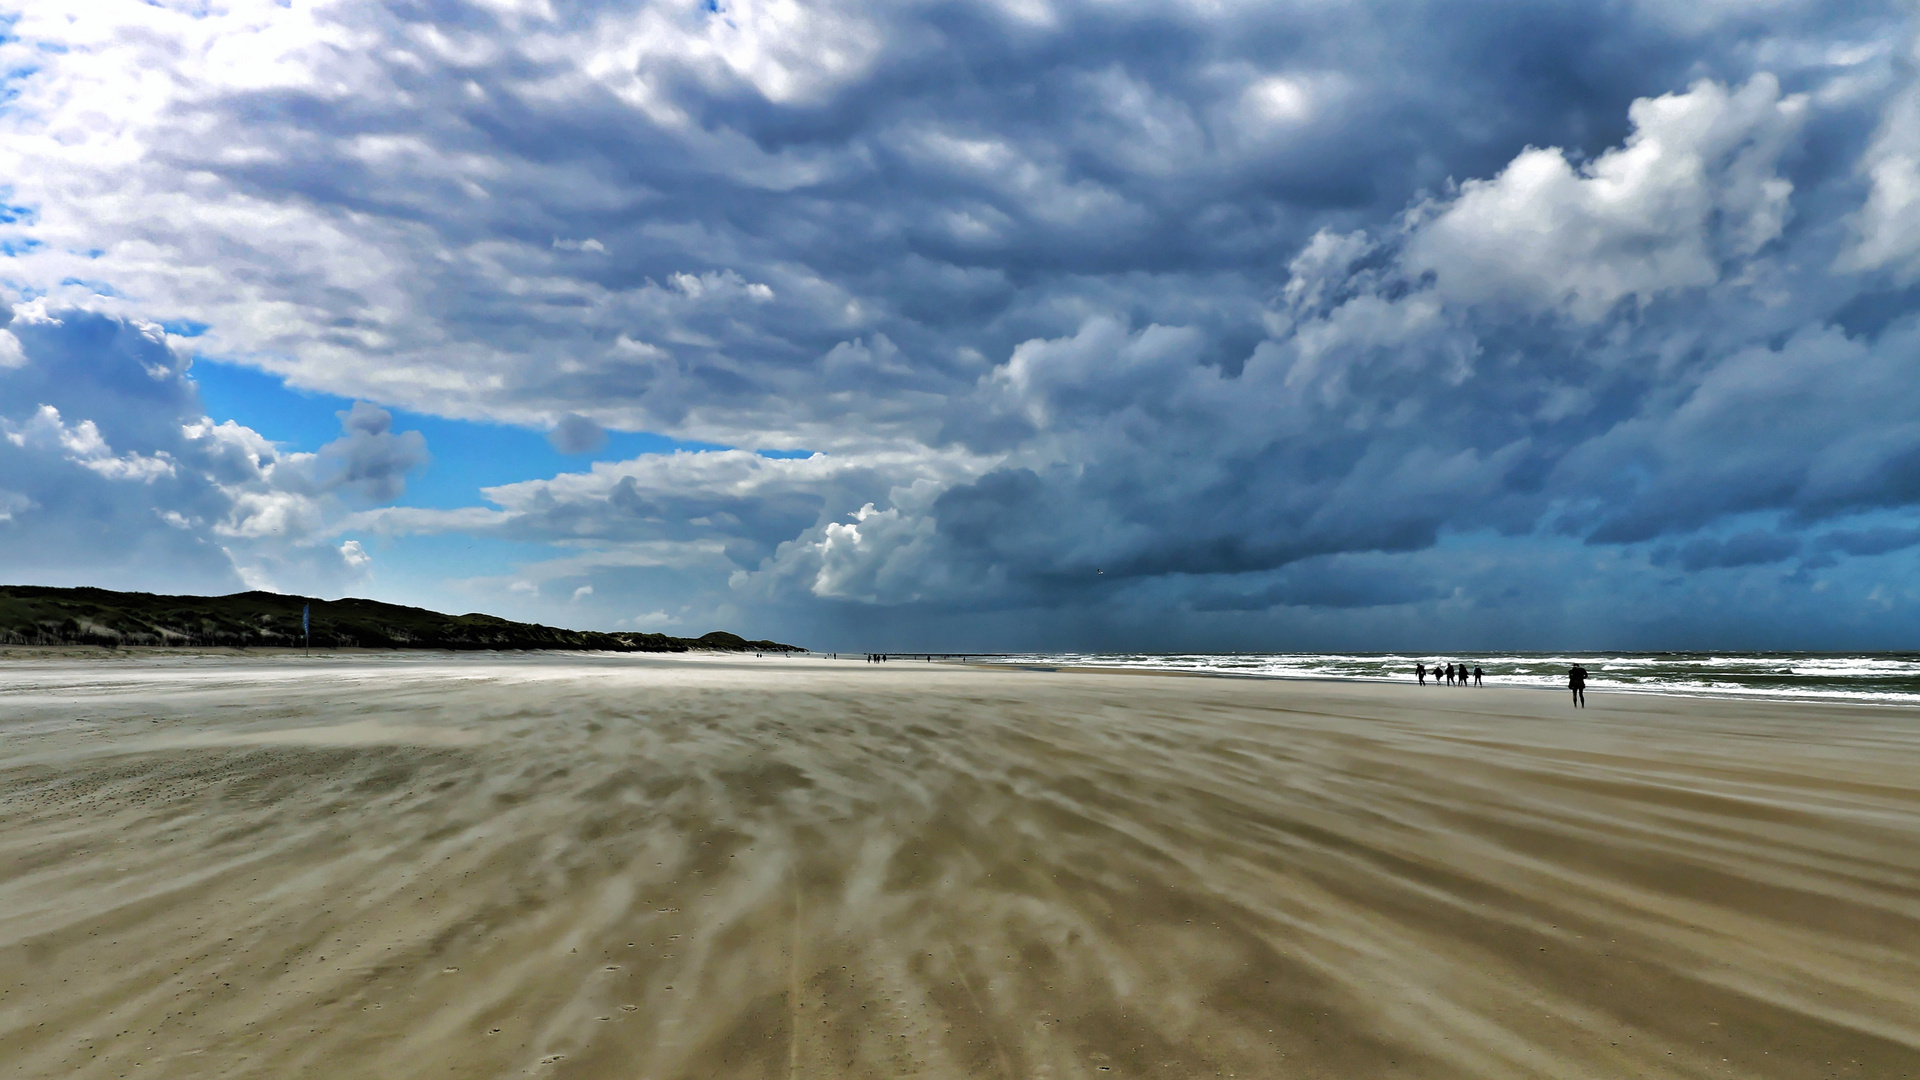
1873 678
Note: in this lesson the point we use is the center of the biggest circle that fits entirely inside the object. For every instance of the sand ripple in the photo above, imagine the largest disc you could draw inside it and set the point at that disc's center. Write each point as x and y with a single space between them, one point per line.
643 868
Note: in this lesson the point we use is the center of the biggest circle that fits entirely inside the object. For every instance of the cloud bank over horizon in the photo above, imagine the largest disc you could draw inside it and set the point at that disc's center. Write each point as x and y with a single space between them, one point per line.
983 325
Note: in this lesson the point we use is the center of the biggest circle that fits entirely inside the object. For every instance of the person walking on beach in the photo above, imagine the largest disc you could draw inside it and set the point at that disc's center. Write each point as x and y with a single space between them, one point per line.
1478 675
1420 672
1577 682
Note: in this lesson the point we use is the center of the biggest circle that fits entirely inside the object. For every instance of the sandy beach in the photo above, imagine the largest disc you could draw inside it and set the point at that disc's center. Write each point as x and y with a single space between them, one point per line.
633 867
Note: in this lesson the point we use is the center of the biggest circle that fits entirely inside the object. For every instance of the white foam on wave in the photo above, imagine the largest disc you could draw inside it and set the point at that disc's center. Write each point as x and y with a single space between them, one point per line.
1864 678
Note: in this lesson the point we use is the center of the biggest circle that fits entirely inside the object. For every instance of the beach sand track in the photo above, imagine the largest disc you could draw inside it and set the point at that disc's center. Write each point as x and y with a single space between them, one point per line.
623 867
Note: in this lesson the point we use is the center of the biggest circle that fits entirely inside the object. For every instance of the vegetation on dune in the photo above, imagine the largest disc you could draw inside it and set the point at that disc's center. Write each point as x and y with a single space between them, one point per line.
33 615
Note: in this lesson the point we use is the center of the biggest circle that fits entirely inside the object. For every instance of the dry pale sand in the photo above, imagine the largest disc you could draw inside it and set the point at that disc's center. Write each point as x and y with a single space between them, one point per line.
621 867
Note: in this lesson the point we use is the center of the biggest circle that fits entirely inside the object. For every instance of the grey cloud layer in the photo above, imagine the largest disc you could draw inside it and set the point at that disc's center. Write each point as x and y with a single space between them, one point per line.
1210 296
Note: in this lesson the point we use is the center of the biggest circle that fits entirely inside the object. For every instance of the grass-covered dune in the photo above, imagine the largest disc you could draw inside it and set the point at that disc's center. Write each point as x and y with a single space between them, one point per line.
34 615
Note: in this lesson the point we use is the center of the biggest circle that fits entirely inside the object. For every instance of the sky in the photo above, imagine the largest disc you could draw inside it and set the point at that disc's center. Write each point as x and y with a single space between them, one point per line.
977 325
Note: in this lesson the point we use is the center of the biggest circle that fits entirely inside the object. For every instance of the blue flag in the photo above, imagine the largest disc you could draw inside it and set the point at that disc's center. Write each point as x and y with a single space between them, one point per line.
304 609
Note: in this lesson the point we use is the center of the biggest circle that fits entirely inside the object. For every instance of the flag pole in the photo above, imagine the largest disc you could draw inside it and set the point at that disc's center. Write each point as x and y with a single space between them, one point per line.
306 626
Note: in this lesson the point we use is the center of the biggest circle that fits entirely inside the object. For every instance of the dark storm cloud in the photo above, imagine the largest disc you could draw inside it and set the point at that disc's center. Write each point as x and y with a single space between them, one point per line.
1181 297
967 178
1874 541
1749 548
1328 584
575 434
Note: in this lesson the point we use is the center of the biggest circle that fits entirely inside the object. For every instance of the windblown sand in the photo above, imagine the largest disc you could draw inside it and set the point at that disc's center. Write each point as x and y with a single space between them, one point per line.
639 868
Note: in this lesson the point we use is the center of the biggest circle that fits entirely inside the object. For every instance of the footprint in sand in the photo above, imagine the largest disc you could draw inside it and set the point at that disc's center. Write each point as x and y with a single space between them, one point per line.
628 1008
551 1058
448 971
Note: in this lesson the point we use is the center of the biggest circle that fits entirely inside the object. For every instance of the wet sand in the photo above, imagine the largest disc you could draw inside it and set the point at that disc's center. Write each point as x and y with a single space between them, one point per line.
551 866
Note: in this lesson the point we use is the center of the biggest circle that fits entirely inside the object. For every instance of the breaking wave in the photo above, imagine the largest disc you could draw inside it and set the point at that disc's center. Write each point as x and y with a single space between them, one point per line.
1889 678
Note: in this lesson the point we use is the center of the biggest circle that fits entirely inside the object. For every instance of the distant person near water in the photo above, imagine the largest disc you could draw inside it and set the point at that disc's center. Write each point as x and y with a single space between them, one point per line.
1420 672
1478 676
1577 682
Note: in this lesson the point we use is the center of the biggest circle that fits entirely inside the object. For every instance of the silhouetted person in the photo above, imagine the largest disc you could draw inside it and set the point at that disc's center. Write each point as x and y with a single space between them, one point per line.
1577 682
1420 672
1478 675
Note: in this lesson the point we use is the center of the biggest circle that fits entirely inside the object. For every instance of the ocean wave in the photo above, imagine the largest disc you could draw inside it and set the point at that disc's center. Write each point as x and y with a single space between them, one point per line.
1880 678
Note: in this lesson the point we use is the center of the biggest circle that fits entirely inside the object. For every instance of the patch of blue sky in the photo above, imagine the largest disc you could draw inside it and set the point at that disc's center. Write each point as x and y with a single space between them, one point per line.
467 455
11 78
19 245
186 328
99 288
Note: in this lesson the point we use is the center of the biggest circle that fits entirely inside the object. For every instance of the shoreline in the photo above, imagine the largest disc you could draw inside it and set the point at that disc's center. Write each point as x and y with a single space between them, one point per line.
1812 697
27 653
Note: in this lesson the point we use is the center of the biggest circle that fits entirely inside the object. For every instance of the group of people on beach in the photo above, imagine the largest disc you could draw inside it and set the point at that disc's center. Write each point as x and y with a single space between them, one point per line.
1454 674
1458 674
